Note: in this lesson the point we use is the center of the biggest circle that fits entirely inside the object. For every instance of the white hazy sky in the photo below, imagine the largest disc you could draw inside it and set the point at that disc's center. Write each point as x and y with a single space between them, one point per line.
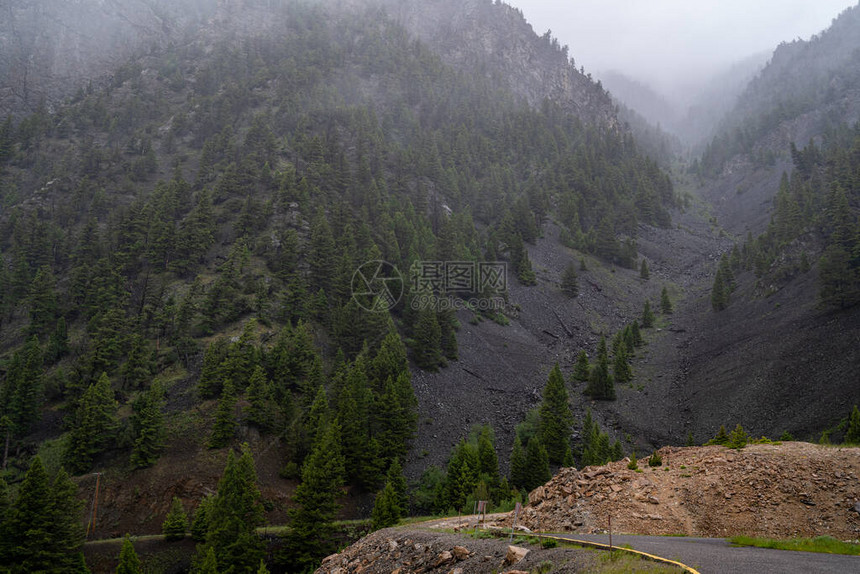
669 43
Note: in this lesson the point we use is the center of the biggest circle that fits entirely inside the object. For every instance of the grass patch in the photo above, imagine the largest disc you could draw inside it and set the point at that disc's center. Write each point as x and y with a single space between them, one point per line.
822 544
619 562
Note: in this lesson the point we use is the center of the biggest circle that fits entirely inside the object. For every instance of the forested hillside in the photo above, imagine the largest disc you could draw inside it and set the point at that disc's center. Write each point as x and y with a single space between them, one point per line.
179 243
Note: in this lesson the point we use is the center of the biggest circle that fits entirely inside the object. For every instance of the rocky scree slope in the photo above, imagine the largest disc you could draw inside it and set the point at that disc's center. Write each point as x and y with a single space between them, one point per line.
771 490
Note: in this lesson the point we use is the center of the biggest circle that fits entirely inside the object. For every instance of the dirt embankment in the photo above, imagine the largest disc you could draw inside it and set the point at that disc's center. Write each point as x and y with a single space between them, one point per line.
415 550
786 490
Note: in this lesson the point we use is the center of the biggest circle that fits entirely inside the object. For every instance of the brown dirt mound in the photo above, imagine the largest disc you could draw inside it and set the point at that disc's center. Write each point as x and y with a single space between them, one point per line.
779 490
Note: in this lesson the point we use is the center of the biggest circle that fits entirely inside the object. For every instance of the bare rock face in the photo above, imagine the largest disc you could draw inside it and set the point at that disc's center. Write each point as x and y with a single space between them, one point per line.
786 490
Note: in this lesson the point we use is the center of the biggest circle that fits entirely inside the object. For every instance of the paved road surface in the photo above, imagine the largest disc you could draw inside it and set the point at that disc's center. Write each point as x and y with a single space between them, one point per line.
717 556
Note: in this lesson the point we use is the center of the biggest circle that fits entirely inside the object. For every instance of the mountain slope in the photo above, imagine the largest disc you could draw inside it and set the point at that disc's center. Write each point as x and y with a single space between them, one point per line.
198 218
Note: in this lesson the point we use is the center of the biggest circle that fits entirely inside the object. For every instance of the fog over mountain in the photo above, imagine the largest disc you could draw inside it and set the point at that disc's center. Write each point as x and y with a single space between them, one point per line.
676 48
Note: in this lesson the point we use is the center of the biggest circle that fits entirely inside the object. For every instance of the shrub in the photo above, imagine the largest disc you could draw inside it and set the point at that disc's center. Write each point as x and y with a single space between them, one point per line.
633 464
655 459
738 438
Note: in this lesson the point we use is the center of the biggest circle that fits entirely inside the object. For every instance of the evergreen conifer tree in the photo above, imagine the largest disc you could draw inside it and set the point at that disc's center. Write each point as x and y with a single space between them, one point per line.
225 418
259 412
582 368
395 477
41 530
556 418
665 302
569 281
175 524
647 316
537 464
488 461
519 468
208 564
234 515
316 502
129 563
386 509
428 341
719 293
643 270
93 427
600 384
147 423
621 367
852 435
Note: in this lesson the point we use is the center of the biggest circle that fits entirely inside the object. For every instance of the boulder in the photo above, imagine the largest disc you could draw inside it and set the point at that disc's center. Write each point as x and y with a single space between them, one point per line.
460 553
515 554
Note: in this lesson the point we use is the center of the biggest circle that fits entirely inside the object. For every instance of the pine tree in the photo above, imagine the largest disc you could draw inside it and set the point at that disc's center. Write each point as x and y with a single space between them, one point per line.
636 334
316 502
488 461
200 524
147 424
42 302
175 524
665 302
600 384
41 530
719 293
461 475
582 368
225 418
519 468
643 270
386 508
395 477
67 536
208 564
537 464
852 435
647 316
259 412
234 515
94 425
621 367
129 563
427 350
569 281
556 418
722 437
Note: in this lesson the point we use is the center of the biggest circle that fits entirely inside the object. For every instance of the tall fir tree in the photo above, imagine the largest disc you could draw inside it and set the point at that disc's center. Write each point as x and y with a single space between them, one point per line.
582 368
644 273
852 435
556 418
129 563
665 302
316 502
147 424
427 349
537 464
647 316
519 465
600 384
570 281
719 293
234 515
621 369
225 418
93 426
175 524
386 508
